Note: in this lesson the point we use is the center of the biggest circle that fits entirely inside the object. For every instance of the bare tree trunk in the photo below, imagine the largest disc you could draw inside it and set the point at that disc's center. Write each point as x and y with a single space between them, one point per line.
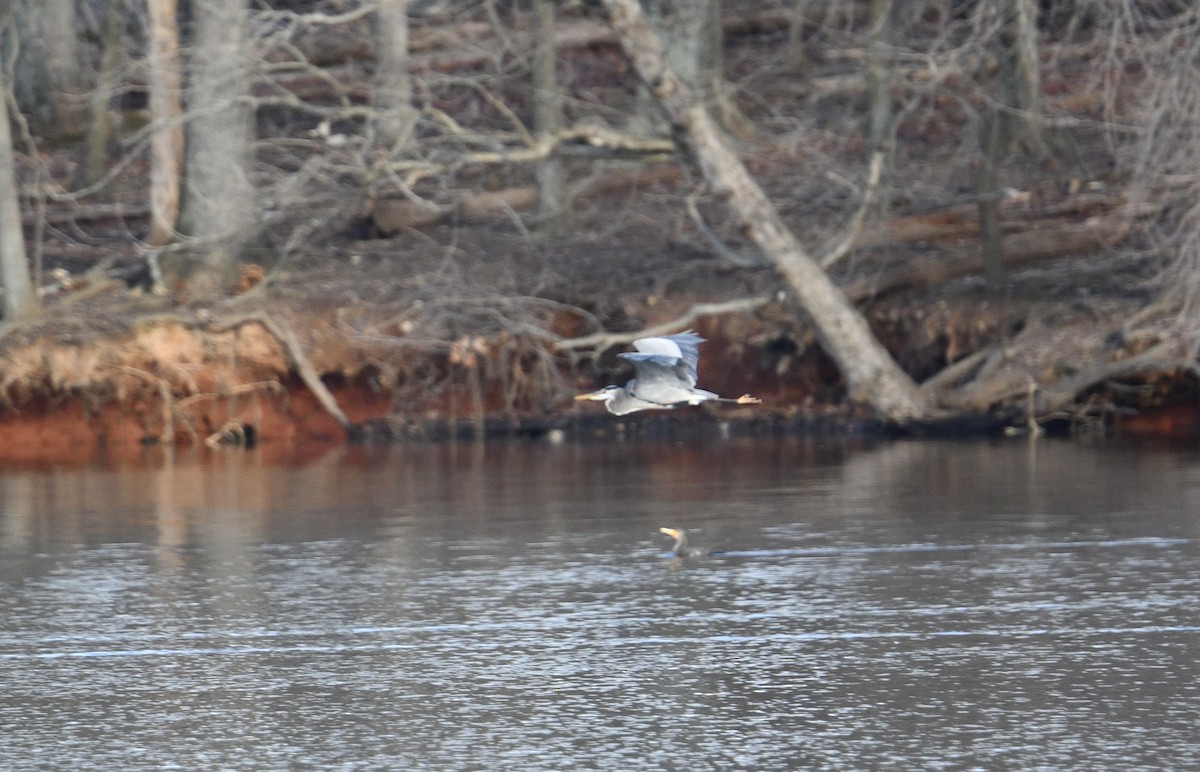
990 248
166 111
872 376
547 119
1027 85
220 210
99 130
20 301
46 76
799 54
392 92
1012 77
60 38
1014 85
879 91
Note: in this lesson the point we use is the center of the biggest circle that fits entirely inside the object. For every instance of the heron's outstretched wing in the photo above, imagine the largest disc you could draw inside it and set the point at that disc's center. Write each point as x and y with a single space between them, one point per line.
680 352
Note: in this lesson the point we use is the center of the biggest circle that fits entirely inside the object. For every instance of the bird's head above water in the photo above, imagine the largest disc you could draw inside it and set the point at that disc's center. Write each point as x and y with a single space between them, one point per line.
680 546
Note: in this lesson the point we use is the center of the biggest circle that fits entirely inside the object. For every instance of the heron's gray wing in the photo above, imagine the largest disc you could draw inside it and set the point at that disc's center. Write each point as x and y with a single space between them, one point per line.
663 380
683 347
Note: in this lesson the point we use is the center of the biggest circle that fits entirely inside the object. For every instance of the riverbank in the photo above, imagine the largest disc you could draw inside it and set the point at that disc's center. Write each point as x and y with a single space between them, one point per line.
430 296
374 346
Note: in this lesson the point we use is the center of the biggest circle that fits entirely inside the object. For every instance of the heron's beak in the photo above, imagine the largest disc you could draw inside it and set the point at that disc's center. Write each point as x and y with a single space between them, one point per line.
672 532
591 395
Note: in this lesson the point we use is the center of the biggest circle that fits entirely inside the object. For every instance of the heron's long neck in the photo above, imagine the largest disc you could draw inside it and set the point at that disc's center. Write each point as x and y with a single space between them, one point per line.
680 543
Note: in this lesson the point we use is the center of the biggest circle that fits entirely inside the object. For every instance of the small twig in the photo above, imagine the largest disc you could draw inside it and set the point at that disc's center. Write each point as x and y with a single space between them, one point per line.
715 241
244 388
295 18
521 129
534 151
842 248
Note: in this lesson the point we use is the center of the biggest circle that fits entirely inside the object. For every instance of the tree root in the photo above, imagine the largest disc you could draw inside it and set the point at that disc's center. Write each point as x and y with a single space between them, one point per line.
169 405
291 346
1161 357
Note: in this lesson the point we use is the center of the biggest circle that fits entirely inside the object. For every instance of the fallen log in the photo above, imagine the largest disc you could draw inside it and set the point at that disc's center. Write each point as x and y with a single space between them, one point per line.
76 213
959 221
1034 243
390 216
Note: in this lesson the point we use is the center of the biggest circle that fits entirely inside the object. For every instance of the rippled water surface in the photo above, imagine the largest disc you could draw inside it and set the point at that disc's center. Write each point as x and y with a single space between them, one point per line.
915 605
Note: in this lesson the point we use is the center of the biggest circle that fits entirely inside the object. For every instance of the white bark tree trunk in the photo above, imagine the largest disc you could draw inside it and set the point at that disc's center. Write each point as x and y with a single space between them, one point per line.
61 38
872 376
220 210
690 31
392 90
166 111
20 301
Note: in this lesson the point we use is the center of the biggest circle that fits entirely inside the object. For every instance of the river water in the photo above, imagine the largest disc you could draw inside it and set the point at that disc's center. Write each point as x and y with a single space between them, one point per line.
912 605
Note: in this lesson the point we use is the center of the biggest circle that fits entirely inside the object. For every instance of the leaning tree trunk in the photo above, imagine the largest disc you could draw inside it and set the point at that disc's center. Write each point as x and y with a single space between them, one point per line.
693 44
693 41
872 376
20 302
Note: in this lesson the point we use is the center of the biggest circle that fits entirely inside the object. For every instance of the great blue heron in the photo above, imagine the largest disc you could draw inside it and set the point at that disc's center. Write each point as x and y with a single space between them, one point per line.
666 378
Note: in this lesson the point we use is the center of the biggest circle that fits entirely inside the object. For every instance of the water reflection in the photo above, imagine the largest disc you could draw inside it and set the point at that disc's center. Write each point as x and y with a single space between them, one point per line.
507 606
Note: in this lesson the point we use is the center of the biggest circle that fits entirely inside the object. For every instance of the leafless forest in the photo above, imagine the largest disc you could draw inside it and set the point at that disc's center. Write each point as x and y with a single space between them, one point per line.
929 209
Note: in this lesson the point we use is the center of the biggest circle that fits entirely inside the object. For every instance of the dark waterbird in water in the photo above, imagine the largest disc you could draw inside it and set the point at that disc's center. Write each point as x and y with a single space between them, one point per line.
666 378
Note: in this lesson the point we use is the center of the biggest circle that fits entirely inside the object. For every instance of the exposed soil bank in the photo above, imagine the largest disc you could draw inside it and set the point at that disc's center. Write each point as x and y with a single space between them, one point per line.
176 380
74 388
169 381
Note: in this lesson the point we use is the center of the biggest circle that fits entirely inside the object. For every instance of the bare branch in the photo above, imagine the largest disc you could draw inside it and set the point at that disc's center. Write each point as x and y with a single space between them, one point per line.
843 247
602 341
715 241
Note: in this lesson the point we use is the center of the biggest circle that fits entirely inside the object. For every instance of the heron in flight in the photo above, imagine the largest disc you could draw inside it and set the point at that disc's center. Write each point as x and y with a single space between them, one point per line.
666 378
